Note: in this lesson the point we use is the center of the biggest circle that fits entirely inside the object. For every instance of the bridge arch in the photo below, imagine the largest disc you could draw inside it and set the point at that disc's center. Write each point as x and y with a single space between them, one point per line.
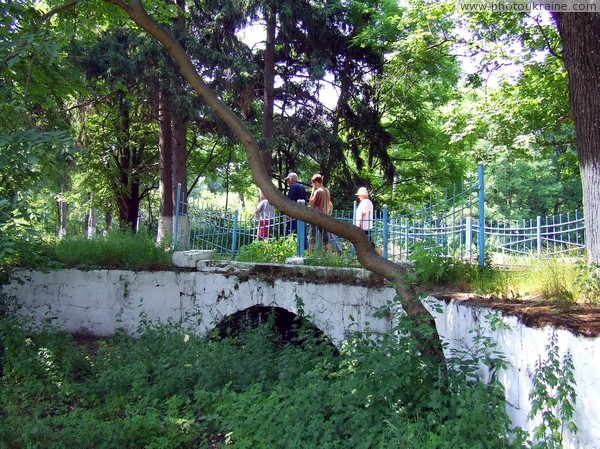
288 326
318 294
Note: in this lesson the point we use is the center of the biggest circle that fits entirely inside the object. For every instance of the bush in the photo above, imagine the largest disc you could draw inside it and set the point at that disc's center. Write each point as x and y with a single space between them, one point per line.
172 389
269 251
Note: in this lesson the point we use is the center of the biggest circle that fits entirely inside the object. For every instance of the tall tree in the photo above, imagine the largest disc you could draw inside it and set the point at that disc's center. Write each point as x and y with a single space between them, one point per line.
410 147
116 68
165 164
580 33
35 140
528 38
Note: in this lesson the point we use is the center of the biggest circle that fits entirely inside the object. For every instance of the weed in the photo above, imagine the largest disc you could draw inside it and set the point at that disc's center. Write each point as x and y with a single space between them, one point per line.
588 282
268 251
118 249
169 388
322 258
553 397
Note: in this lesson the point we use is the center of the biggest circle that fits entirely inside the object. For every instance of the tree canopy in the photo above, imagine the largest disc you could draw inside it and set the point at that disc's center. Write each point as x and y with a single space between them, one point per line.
84 91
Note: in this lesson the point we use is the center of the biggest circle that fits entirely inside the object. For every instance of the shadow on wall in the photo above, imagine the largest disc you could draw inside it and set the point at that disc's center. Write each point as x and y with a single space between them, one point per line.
289 328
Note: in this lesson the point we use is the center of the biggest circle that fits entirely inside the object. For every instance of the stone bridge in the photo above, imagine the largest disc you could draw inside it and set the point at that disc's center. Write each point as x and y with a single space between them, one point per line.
334 300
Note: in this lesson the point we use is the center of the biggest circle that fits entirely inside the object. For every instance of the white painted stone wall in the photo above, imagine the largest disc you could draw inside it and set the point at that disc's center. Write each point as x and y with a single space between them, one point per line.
99 302
522 347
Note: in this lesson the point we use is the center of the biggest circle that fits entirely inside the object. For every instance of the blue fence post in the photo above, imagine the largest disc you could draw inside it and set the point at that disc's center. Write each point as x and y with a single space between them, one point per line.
469 238
406 237
539 234
481 240
176 224
301 233
385 232
234 236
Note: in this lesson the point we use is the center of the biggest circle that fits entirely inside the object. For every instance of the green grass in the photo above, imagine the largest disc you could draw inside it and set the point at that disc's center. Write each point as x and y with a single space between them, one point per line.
549 280
116 250
545 280
564 282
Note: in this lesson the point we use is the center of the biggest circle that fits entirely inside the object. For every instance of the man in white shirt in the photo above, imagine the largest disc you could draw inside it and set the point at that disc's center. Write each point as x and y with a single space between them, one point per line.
364 212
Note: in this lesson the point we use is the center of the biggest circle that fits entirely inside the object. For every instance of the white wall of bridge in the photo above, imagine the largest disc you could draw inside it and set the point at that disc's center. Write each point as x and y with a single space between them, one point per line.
99 302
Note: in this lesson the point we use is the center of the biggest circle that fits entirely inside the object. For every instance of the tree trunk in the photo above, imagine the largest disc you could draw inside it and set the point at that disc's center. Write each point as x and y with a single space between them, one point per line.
178 122
580 33
180 177
108 218
91 223
165 167
269 86
63 208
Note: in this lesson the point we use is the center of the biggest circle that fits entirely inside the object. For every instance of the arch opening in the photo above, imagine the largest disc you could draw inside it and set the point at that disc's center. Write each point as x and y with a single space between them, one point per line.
290 328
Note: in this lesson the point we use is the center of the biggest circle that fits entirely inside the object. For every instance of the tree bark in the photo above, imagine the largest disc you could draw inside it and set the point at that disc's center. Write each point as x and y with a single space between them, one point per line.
179 127
63 207
580 34
366 254
165 165
269 86
91 221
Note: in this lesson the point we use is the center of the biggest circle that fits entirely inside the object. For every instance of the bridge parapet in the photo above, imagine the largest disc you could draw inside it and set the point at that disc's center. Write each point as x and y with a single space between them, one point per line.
336 300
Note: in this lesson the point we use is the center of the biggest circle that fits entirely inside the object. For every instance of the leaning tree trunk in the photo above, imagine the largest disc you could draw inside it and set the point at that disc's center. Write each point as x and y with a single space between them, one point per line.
580 33
366 255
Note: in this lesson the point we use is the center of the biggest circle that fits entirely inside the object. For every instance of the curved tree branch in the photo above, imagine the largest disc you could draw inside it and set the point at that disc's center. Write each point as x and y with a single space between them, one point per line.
366 255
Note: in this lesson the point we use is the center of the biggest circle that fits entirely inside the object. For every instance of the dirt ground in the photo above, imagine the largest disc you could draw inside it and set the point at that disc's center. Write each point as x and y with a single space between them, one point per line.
583 320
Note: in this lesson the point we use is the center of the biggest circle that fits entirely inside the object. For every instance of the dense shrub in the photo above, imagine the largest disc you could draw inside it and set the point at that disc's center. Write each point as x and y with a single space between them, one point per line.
171 389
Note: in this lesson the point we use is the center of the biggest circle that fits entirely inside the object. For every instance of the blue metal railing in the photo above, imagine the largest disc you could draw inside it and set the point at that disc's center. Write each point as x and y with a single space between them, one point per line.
455 226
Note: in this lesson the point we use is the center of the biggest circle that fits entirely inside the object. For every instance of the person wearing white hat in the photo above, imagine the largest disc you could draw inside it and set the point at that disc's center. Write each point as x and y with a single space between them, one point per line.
364 212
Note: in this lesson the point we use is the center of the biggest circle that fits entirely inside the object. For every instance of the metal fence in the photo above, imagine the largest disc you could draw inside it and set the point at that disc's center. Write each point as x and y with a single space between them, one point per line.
450 226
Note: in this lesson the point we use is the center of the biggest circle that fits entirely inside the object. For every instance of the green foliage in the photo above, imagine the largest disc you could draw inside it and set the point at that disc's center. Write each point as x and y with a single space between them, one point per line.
268 251
588 282
533 185
432 267
6 243
19 242
324 259
171 388
542 279
553 397
119 249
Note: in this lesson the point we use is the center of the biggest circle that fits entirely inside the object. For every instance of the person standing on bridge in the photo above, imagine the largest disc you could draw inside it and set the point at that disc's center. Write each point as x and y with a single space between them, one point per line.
364 213
320 199
297 192
265 213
